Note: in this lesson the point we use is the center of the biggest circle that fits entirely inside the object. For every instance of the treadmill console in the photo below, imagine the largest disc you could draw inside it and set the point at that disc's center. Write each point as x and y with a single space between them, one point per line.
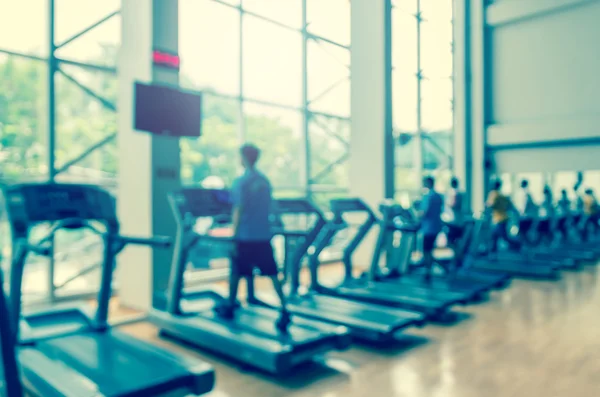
201 203
27 204
402 218
394 210
295 206
342 206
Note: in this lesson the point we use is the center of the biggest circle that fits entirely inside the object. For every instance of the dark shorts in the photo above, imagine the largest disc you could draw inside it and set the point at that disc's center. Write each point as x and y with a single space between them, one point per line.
250 255
429 242
454 232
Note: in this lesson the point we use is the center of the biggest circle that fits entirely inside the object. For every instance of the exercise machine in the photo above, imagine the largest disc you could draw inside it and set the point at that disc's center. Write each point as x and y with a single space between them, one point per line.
365 321
399 268
478 257
9 375
251 337
434 304
539 238
73 350
454 264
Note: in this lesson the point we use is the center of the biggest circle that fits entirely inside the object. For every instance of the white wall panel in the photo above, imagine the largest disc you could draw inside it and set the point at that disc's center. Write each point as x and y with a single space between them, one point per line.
547 68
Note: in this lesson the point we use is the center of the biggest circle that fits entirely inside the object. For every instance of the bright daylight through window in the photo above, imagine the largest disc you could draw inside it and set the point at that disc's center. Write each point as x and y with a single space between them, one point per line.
279 75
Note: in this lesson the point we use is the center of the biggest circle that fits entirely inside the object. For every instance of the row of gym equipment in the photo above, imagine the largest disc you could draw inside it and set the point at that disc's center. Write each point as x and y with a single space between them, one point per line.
74 351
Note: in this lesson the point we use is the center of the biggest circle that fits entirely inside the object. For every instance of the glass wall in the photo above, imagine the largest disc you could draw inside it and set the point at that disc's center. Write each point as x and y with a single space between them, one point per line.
422 93
278 76
58 90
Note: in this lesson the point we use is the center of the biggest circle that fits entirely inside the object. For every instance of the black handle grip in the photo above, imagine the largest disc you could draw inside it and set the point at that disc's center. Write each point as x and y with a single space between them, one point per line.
158 241
41 250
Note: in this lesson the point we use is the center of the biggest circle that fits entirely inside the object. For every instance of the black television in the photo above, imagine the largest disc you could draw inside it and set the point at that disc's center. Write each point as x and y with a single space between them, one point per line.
167 111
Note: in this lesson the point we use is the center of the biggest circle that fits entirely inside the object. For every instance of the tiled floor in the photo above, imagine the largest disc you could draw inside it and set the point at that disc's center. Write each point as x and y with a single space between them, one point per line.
534 339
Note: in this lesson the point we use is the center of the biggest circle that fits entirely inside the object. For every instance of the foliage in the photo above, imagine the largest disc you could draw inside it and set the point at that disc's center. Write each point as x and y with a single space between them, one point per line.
22 119
82 120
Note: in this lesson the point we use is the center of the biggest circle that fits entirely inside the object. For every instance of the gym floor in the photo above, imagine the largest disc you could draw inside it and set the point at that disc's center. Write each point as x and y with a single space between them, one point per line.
531 339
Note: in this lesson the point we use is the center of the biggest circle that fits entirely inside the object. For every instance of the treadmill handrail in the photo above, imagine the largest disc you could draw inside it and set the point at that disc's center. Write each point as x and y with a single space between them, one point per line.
322 241
12 381
388 225
295 206
352 246
113 244
157 241
347 205
300 206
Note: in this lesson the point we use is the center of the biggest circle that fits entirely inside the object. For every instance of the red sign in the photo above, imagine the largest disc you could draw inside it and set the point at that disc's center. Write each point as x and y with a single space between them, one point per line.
161 58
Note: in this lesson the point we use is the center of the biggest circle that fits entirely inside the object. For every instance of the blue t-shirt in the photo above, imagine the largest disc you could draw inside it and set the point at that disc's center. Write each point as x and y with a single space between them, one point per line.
251 192
432 206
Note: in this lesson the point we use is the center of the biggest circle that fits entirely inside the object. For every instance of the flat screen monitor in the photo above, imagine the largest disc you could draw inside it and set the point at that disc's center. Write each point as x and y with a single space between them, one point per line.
167 111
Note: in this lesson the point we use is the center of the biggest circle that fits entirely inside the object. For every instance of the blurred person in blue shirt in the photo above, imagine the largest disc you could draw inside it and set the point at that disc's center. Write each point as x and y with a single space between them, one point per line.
432 207
251 196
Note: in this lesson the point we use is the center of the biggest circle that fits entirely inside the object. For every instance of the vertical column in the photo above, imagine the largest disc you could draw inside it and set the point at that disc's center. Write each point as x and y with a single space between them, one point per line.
149 166
371 143
307 177
480 64
51 90
52 68
418 155
240 104
463 164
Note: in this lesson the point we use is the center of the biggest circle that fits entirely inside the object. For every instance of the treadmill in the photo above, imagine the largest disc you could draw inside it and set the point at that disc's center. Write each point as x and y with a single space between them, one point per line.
575 238
251 337
73 351
556 246
399 254
10 382
478 258
455 263
434 304
543 254
365 321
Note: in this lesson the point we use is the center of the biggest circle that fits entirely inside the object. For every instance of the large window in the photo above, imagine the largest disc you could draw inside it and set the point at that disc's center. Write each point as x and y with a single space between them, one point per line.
422 91
272 73
279 77
59 87
23 30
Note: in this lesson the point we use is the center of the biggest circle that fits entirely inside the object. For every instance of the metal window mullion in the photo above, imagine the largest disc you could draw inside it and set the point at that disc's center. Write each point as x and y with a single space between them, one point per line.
329 115
389 149
101 143
83 65
305 102
52 68
241 116
316 37
88 29
266 19
329 168
452 43
328 131
105 102
418 153
23 55
272 104
327 90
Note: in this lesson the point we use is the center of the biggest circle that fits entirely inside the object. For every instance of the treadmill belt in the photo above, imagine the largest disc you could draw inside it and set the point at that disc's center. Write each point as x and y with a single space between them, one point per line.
439 283
257 321
115 365
359 316
521 269
247 320
388 298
